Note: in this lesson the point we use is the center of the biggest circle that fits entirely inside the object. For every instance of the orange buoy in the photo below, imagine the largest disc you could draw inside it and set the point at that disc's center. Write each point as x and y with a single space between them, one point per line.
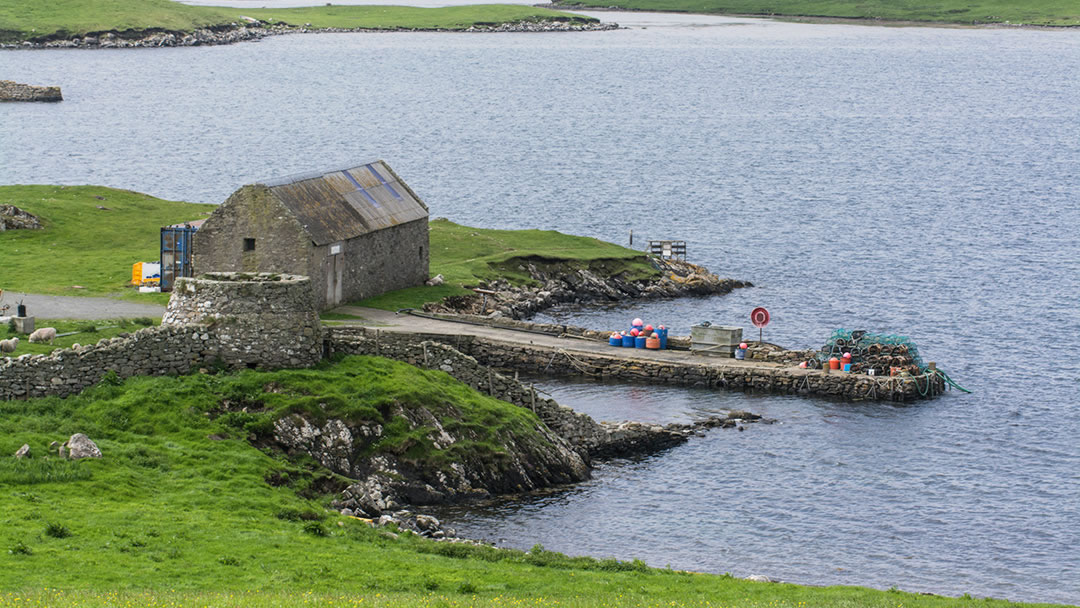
834 363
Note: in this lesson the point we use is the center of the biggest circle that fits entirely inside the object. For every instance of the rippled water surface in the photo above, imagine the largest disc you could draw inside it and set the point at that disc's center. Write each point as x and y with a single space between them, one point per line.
918 181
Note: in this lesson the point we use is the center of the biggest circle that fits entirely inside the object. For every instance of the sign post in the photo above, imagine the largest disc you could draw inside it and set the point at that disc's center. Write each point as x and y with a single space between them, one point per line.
760 318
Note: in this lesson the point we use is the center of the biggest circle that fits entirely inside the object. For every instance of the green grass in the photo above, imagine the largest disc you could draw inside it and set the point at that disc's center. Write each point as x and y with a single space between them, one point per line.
82 245
22 20
465 256
1044 12
180 511
89 332
408 17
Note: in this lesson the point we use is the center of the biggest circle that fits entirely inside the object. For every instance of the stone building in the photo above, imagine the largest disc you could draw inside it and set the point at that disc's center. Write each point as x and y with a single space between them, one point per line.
357 232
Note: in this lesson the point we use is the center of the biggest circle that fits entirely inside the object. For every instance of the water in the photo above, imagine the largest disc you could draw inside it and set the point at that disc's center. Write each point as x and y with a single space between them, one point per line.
911 180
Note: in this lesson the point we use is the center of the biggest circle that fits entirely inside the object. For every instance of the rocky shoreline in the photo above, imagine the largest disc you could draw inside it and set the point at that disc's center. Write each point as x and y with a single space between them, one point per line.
258 30
562 283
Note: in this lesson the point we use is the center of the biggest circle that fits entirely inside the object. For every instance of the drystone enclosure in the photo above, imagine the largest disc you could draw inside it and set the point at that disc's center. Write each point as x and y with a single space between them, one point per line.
235 320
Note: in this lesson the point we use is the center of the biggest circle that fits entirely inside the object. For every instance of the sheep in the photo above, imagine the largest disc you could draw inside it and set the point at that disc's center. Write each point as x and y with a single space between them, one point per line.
9 346
45 334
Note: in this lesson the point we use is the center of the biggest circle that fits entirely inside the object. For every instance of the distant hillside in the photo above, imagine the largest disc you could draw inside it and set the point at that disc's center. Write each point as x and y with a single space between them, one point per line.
1044 12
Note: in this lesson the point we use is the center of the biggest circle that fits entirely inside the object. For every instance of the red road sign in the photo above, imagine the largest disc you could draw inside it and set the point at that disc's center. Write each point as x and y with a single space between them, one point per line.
759 317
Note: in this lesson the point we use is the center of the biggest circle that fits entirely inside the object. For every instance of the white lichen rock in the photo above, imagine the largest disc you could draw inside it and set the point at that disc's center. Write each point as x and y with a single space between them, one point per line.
81 446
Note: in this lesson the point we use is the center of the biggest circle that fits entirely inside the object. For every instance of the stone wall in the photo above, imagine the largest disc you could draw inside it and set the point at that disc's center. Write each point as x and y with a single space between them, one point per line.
154 351
235 320
252 212
13 91
384 260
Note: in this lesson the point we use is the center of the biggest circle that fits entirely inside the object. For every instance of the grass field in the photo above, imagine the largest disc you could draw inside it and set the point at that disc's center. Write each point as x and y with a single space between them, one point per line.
407 17
84 250
181 512
1044 12
22 20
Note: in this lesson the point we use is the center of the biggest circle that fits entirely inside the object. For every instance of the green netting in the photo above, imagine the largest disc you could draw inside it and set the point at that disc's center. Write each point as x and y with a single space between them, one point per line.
863 345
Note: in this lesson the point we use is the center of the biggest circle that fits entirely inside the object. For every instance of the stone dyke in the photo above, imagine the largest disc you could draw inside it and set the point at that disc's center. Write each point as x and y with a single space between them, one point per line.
709 373
14 91
235 320
256 30
592 439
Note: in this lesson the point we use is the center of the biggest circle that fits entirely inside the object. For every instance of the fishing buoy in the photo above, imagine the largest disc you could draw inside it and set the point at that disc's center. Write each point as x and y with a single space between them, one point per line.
743 346
803 365
634 332
834 363
637 323
661 327
648 328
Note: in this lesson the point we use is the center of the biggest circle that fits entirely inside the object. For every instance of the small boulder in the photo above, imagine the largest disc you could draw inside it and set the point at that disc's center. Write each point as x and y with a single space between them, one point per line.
80 446
427 523
22 452
436 280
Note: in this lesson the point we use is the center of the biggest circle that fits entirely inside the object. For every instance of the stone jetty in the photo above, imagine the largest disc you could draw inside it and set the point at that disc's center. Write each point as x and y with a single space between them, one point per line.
570 351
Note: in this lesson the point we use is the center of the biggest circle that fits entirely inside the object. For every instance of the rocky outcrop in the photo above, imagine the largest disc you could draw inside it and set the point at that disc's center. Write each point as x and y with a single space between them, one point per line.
80 446
13 91
22 452
566 283
458 466
256 30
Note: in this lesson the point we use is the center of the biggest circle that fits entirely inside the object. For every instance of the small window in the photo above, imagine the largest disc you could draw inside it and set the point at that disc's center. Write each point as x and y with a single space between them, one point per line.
249 244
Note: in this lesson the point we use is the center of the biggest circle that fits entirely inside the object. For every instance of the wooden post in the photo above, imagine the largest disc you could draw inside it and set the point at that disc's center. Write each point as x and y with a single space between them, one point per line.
376 343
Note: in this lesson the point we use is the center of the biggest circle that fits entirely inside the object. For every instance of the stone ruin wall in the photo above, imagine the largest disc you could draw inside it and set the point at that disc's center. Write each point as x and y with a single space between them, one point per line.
235 320
257 320
13 91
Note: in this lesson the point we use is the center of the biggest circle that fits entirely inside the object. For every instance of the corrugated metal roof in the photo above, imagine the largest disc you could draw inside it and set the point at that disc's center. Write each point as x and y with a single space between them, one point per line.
342 204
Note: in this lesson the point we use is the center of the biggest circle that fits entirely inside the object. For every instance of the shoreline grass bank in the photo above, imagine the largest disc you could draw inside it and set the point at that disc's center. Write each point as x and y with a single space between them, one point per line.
22 21
1052 13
